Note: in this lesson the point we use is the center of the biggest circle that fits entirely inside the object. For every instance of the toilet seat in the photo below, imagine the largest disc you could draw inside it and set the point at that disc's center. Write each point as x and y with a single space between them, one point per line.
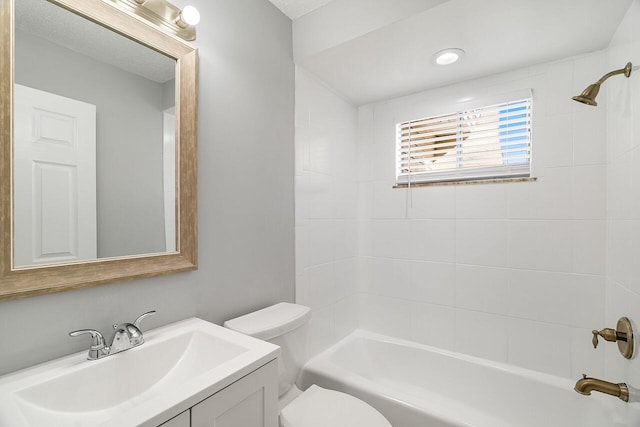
319 407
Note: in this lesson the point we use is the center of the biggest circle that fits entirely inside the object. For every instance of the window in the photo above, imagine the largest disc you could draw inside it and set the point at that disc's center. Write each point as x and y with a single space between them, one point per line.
491 142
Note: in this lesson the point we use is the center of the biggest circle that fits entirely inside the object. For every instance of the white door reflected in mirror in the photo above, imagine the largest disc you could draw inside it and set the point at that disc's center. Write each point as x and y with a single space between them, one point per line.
55 179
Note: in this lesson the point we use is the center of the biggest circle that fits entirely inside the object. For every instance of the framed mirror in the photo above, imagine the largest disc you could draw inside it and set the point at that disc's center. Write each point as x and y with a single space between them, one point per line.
98 158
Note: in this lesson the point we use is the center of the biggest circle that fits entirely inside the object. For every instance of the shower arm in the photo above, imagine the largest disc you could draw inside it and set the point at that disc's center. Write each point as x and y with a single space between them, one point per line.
626 71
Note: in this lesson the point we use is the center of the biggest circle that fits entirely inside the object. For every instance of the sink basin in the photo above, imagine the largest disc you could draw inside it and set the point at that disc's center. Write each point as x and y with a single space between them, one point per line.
178 366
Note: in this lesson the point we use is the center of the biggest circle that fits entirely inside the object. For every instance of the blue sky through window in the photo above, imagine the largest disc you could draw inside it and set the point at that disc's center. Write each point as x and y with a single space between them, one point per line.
514 137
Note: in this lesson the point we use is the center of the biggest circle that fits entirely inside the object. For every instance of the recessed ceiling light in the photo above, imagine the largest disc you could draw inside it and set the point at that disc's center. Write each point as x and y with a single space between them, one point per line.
448 56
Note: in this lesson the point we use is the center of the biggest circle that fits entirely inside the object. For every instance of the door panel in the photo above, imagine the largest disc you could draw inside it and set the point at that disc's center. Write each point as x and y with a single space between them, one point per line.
54 178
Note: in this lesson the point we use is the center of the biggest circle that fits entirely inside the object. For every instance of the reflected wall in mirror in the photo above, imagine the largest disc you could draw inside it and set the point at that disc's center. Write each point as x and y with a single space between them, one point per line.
98 127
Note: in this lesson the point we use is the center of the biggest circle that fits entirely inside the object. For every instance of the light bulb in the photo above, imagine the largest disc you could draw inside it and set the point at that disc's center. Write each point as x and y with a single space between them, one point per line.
447 58
190 15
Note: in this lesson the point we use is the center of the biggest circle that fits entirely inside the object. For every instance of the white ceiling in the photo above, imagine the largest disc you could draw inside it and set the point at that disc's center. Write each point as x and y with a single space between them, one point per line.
294 9
370 50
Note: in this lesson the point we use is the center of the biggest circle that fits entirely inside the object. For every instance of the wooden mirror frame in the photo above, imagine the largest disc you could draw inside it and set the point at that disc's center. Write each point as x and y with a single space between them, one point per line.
38 280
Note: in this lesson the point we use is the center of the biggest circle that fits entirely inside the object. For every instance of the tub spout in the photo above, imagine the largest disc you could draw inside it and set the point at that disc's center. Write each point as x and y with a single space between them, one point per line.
586 385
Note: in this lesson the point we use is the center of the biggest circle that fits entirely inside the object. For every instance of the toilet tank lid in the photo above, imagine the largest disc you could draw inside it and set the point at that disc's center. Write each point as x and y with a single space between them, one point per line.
272 321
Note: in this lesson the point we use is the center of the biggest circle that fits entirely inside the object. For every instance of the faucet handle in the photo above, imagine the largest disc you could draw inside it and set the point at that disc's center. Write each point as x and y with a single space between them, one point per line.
97 339
142 316
98 347
608 334
623 334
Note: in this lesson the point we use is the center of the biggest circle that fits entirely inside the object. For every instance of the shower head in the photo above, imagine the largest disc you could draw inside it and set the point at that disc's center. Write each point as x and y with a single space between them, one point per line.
588 96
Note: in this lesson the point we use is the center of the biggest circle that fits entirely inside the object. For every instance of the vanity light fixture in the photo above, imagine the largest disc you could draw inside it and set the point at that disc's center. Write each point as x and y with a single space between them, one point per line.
164 15
448 56
588 96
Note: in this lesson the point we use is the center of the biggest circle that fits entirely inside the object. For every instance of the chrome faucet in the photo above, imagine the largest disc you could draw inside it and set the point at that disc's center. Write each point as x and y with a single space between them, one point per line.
125 336
586 385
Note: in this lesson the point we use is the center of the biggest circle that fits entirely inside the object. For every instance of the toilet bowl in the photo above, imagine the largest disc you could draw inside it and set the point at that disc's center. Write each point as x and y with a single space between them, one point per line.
285 324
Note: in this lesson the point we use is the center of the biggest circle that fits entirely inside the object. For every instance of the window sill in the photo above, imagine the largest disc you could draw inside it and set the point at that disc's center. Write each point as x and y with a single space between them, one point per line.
465 182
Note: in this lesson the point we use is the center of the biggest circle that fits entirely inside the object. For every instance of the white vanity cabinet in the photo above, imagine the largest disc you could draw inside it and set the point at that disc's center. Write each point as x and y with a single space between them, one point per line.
252 401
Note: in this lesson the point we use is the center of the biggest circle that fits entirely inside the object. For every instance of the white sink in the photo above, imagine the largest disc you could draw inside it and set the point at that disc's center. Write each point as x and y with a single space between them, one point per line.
178 366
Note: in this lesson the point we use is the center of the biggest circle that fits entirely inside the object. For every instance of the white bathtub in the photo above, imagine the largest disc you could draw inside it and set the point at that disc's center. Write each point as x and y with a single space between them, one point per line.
415 385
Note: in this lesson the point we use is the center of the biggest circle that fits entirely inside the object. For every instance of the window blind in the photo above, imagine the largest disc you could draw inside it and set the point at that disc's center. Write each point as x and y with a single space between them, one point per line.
480 143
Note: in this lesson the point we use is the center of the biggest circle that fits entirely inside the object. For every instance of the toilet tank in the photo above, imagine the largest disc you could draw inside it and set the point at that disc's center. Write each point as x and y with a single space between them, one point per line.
282 324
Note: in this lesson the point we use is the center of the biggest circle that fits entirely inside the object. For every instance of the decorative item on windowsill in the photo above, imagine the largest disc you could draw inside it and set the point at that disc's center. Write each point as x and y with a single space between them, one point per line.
165 15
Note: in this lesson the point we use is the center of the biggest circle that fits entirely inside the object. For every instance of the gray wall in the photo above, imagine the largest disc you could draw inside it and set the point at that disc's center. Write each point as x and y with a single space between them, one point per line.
246 216
169 94
130 193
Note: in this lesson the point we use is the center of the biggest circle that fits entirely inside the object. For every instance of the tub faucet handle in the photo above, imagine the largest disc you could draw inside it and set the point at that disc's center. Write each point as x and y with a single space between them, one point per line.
623 335
608 334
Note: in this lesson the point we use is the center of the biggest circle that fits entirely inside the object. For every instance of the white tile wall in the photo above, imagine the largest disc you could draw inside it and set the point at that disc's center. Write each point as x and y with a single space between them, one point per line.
548 198
540 245
327 206
558 130
588 247
430 282
391 278
545 346
482 288
481 334
482 242
482 202
386 315
589 192
392 238
440 203
432 240
433 324
516 272
589 132
587 297
623 189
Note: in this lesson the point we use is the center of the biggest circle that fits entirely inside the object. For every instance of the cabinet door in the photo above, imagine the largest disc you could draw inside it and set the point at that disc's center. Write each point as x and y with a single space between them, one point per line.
252 401
182 420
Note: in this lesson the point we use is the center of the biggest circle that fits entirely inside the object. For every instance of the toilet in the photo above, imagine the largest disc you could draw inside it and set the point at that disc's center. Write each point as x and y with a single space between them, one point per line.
285 325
